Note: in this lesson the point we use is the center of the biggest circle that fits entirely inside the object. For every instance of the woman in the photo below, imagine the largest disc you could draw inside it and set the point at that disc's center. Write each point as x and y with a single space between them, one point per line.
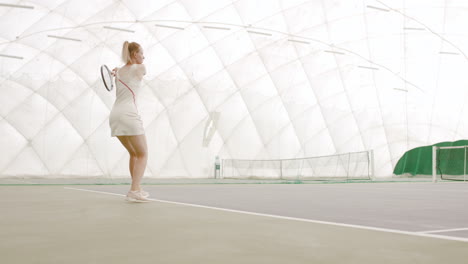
125 121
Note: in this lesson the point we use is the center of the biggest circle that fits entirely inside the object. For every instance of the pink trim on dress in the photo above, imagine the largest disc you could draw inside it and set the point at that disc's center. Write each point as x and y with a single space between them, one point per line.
133 94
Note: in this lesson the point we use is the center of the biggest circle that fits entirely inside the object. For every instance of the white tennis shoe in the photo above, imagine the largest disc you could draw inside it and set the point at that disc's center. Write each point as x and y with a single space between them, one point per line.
144 194
137 196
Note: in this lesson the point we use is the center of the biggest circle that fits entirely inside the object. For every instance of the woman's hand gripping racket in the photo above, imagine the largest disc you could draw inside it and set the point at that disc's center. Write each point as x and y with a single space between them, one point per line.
108 77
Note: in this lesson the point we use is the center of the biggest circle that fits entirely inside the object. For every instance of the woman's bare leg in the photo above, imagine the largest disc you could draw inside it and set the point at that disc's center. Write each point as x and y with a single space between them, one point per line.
138 150
126 143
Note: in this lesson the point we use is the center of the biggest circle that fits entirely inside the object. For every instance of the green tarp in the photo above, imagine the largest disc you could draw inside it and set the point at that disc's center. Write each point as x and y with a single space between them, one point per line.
418 161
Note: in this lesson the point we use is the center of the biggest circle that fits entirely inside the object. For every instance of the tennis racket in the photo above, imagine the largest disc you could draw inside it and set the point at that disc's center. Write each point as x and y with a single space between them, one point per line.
107 78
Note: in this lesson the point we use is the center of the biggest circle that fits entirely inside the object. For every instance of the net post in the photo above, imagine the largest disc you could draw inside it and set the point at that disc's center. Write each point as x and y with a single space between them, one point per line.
371 161
434 164
281 169
347 167
217 165
221 175
464 165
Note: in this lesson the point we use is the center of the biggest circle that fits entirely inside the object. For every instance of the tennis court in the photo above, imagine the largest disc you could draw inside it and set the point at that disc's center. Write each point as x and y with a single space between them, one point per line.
403 222
233 132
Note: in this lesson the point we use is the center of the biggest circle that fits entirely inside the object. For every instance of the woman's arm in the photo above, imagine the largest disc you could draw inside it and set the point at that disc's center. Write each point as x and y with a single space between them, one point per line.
143 69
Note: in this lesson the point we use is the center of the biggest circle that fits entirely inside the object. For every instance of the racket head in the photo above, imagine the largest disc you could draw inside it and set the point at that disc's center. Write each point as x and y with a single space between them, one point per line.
107 78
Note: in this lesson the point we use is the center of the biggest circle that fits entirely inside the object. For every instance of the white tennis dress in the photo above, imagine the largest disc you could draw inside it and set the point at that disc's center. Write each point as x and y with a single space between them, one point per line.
124 119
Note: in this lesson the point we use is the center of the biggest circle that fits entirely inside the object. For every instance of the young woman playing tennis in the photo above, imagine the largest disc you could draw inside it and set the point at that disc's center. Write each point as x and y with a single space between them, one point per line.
125 121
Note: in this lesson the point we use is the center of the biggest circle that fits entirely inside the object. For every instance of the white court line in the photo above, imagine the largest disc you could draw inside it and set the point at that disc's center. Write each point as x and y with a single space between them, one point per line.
422 190
84 190
443 230
393 188
295 218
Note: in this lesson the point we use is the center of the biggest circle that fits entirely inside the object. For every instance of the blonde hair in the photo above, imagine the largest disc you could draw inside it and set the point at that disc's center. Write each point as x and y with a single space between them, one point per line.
128 50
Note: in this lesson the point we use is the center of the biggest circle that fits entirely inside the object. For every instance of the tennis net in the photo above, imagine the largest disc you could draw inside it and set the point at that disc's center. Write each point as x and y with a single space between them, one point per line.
347 166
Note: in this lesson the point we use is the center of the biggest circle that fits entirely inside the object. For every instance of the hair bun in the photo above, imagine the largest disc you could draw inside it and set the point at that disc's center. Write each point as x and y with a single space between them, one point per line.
128 50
